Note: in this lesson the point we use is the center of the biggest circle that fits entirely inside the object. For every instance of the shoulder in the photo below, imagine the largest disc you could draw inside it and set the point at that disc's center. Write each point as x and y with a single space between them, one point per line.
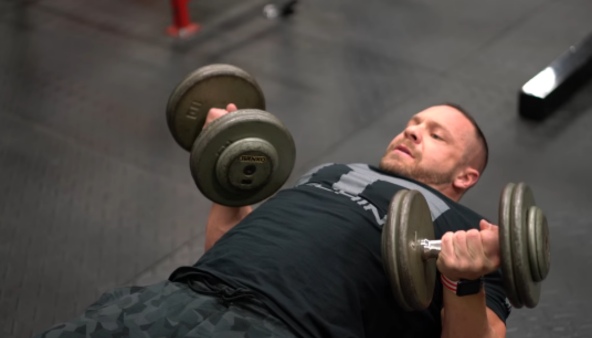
457 217
356 173
331 171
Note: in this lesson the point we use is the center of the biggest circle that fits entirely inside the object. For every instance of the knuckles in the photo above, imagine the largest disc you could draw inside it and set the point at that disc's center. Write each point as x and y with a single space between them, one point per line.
473 234
213 114
455 259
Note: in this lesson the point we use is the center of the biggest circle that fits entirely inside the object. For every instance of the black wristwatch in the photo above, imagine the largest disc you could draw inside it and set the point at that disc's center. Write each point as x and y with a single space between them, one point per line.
466 287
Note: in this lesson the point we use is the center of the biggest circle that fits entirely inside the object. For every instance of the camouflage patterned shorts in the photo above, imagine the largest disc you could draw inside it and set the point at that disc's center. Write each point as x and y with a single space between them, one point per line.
169 309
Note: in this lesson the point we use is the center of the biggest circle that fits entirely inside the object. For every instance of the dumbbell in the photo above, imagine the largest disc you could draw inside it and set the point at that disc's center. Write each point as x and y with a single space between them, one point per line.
240 158
409 250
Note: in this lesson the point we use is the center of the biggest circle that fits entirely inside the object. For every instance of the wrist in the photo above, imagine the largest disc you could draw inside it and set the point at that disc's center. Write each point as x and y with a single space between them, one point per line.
448 283
226 214
462 287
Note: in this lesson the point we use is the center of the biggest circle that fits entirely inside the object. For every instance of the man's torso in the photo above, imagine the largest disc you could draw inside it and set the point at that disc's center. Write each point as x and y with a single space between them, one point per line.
313 254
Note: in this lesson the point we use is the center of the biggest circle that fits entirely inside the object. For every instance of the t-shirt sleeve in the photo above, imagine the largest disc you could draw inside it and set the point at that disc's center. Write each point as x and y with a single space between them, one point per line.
308 175
495 295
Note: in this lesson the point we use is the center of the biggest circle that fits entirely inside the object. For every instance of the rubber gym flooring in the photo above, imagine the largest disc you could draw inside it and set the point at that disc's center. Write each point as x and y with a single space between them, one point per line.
96 194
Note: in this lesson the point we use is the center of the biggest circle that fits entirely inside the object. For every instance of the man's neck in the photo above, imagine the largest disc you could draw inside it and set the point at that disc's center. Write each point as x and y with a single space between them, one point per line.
448 190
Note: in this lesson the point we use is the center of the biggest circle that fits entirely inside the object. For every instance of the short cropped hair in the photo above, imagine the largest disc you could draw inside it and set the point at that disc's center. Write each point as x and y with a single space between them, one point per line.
481 140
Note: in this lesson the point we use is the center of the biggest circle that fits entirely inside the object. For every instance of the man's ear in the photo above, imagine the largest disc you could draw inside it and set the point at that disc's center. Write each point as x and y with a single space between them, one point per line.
466 178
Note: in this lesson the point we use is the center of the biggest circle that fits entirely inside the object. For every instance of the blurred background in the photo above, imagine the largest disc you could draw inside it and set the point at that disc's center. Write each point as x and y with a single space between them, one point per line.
96 194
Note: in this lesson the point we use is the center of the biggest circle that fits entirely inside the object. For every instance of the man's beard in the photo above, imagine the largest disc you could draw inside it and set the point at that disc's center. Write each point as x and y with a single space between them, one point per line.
429 177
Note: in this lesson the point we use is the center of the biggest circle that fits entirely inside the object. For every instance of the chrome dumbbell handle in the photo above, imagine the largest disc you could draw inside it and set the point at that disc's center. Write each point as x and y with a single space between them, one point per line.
430 249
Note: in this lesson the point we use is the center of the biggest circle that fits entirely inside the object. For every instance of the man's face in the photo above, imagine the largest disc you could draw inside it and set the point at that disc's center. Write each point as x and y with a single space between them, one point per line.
432 147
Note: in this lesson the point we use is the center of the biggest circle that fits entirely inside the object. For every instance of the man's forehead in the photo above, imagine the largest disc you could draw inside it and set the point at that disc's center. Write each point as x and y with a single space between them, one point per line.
447 117
457 125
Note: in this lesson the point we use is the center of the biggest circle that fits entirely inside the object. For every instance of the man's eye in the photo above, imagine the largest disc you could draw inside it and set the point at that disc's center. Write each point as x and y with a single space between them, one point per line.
436 136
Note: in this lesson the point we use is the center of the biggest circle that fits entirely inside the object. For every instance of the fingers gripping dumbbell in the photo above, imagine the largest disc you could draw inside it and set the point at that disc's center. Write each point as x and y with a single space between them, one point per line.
409 250
239 158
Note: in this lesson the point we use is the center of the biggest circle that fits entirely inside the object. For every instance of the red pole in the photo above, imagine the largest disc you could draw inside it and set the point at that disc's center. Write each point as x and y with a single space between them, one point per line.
182 25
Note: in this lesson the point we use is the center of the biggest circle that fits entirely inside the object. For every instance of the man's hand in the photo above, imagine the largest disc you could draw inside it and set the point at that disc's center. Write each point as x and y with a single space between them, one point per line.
470 254
215 113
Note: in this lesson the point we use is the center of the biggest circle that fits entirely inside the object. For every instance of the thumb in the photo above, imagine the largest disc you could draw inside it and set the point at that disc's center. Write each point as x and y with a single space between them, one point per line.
484 225
231 107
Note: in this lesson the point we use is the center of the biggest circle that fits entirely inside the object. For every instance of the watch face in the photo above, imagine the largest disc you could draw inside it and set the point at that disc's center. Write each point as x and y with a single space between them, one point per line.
468 287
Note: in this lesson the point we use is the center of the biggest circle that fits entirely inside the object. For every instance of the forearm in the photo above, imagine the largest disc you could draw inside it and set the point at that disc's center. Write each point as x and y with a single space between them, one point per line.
222 219
466 316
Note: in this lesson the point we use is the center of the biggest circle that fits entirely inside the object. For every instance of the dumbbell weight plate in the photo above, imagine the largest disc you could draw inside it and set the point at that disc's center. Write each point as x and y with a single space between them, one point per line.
242 157
412 278
212 86
505 234
389 248
538 244
528 290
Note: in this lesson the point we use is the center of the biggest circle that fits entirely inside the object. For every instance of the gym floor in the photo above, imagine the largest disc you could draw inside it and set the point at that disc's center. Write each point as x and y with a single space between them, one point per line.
96 194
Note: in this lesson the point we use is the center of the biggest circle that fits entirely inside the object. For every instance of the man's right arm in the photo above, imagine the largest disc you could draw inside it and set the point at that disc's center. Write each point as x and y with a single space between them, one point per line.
222 219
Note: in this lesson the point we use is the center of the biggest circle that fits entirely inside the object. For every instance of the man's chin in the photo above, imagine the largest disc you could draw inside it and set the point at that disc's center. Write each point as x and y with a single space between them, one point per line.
415 174
393 169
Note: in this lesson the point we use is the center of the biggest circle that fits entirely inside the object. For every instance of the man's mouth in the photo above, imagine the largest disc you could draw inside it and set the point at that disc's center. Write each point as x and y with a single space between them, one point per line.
404 149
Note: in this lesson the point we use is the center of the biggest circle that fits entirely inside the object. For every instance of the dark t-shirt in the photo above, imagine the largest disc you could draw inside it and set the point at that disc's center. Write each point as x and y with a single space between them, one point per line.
312 253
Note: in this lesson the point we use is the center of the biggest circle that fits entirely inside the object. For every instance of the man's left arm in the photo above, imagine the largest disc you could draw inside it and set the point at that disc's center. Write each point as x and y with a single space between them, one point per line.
469 255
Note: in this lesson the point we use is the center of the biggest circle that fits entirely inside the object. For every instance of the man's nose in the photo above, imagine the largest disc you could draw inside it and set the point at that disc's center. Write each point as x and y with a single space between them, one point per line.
413 134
